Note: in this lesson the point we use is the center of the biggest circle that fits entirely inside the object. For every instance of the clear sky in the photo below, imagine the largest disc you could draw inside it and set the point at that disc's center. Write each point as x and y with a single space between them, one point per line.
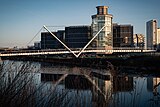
20 20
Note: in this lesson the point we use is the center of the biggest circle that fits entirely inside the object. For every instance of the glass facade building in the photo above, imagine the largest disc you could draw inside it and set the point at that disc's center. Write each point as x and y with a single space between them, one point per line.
49 42
151 36
77 36
102 18
158 38
122 35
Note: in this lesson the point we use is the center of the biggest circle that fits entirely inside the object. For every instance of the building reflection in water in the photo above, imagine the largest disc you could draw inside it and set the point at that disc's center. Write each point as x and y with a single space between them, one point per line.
122 84
153 86
94 87
88 87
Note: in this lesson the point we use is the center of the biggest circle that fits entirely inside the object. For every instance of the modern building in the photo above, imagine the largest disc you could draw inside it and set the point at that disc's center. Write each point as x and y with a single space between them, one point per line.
61 35
158 38
139 40
151 34
102 18
37 45
49 42
122 35
77 36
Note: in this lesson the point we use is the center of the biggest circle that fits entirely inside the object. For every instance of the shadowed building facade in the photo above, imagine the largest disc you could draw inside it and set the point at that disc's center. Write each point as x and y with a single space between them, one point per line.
77 36
122 35
49 42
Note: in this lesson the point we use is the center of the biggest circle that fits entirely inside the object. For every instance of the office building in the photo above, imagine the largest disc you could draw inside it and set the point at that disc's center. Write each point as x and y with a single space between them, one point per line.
102 18
49 42
37 45
139 40
158 38
77 36
122 35
151 34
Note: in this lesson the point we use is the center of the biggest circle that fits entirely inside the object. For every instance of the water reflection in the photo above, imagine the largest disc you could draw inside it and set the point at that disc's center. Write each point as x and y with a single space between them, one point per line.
83 87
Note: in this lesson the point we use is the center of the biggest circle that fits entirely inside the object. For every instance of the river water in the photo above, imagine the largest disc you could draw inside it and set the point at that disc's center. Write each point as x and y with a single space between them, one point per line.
44 84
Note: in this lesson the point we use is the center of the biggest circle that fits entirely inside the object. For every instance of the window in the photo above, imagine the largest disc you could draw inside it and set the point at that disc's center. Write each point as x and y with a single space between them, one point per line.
125 40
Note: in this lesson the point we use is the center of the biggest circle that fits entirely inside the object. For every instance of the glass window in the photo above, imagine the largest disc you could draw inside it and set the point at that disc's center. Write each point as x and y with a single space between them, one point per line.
126 40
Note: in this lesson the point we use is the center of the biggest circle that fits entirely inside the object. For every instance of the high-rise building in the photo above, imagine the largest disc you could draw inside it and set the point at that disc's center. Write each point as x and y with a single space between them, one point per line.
102 18
49 42
122 35
139 40
151 34
77 36
158 37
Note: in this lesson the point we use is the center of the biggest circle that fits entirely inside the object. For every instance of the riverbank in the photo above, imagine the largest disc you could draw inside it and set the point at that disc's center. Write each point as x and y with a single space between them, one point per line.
133 63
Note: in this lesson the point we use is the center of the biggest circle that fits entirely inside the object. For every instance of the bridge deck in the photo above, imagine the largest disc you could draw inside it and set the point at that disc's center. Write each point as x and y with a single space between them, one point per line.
51 52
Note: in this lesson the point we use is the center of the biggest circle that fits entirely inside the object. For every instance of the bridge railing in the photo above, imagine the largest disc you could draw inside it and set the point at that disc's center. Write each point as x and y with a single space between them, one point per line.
77 50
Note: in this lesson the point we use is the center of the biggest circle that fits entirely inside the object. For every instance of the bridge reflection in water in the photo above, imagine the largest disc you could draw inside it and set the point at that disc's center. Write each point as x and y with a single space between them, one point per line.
88 87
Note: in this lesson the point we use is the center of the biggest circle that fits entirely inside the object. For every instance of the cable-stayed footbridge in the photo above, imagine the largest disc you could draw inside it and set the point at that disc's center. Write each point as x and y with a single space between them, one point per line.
75 52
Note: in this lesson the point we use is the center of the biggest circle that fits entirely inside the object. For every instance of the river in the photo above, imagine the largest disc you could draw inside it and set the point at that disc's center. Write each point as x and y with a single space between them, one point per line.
38 84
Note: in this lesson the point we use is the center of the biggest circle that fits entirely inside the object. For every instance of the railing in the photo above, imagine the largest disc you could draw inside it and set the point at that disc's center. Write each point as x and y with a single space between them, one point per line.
64 51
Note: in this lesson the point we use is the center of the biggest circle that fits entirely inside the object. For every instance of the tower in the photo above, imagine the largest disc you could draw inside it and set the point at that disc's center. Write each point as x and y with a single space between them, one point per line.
102 18
158 38
151 30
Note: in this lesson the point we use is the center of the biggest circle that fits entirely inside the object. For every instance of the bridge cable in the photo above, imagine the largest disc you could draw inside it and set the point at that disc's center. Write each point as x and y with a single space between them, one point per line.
90 41
60 41
34 36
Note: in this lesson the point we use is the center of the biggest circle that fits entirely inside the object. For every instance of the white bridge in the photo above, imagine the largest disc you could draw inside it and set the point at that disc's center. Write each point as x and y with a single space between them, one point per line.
75 52
58 51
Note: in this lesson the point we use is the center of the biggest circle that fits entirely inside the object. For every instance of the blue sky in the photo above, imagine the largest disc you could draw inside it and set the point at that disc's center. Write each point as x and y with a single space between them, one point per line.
20 20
